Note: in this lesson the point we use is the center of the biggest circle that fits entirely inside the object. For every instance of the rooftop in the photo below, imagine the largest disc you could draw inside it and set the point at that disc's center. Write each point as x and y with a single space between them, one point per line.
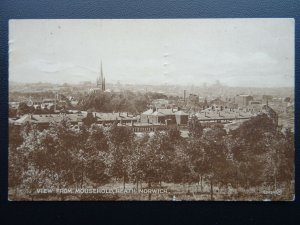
224 114
73 117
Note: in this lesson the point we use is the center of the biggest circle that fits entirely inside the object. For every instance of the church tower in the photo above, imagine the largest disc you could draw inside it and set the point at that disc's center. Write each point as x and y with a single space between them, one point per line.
101 79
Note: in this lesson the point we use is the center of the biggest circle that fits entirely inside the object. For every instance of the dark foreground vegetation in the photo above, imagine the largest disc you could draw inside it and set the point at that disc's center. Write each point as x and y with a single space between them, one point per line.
253 162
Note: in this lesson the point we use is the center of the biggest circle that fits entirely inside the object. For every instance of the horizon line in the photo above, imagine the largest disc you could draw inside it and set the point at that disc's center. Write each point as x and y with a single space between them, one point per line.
163 84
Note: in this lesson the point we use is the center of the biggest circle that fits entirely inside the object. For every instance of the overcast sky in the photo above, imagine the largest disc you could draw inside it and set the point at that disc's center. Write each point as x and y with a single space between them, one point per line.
237 52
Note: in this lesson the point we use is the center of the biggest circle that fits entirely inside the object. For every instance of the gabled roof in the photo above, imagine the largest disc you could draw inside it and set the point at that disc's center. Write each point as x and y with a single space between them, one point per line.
23 119
224 114
156 113
181 113
148 112
166 111
73 117
114 116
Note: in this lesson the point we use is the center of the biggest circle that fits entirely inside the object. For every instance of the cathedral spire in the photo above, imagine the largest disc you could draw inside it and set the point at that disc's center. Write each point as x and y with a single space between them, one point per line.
101 71
101 79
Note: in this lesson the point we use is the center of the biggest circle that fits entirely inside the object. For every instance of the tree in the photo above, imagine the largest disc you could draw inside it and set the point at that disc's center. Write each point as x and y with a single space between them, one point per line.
183 171
16 160
97 158
110 102
24 108
215 155
12 112
49 156
89 119
195 127
24 172
160 154
63 156
137 162
261 153
140 103
121 142
198 161
38 110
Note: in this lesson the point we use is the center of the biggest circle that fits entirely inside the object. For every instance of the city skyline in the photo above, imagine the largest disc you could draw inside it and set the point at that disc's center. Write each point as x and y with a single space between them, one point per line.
237 52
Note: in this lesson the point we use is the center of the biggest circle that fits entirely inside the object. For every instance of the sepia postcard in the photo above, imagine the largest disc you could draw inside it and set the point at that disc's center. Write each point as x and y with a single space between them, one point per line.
151 110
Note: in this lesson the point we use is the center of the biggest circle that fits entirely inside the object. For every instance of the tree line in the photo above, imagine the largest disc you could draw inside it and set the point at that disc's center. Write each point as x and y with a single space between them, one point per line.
125 101
63 156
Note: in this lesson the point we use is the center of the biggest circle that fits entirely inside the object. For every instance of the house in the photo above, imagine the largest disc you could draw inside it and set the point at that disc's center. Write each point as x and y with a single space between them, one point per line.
79 117
228 115
243 100
164 116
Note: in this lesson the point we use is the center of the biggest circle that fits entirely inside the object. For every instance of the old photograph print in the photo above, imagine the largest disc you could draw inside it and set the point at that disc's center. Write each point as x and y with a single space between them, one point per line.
151 109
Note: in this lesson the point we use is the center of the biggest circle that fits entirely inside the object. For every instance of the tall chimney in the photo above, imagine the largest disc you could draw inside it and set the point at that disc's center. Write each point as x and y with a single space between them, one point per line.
184 95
